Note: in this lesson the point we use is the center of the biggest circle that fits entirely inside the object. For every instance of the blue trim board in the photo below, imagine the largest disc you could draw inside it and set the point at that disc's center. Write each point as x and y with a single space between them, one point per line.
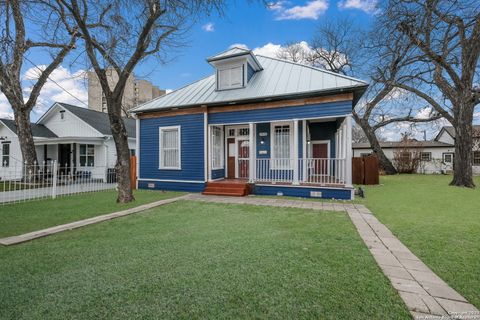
171 186
303 192
282 113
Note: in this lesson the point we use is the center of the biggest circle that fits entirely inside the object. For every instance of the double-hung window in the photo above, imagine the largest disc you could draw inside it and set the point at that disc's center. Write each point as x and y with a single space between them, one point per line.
426 156
5 154
87 155
170 153
476 158
217 148
281 146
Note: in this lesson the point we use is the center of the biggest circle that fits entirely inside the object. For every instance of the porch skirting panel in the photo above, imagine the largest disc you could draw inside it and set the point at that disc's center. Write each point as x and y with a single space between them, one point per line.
304 192
172 186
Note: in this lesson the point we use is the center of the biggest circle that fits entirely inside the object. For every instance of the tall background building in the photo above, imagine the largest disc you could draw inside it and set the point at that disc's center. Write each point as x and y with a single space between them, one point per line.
137 91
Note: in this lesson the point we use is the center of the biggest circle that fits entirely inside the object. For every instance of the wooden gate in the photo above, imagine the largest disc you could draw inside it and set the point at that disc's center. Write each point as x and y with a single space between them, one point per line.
365 170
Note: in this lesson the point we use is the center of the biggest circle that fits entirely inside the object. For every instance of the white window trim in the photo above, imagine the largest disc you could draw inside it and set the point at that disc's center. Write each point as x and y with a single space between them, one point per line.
222 149
80 155
242 85
445 154
161 166
274 165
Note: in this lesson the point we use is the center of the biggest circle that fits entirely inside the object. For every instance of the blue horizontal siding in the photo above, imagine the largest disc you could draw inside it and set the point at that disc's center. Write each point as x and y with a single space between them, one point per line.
304 192
218 173
192 155
171 186
283 113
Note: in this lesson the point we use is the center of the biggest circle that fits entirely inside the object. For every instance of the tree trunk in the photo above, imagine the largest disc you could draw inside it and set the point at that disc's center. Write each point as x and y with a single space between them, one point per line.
462 164
122 167
27 145
385 164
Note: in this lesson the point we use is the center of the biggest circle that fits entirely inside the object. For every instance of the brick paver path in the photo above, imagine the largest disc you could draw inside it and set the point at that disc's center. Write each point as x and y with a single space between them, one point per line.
425 294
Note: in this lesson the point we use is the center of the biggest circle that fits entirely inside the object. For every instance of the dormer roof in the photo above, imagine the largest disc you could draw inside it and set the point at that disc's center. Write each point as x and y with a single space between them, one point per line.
235 52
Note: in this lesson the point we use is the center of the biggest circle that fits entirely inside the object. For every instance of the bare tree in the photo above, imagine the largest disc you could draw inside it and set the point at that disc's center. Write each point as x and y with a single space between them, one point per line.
15 45
407 157
358 136
344 49
120 35
447 35
335 46
294 51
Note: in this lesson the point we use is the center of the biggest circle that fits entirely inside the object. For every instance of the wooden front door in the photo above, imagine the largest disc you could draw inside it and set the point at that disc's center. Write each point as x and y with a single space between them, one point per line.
231 158
320 156
243 158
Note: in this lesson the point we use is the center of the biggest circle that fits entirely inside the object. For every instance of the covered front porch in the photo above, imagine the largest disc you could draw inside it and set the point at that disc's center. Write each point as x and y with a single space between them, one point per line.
305 153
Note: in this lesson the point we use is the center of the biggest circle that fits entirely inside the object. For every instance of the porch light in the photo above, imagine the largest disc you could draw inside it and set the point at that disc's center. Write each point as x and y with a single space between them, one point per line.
308 141
262 141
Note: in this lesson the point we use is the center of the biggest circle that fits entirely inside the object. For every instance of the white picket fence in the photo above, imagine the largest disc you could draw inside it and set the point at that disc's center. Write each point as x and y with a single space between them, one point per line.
22 182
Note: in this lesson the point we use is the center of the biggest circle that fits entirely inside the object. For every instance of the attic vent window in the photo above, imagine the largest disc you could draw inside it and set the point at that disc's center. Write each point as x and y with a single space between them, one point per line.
230 78
62 114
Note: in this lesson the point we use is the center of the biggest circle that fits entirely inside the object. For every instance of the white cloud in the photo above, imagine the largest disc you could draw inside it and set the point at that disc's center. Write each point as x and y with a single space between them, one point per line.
311 10
268 50
424 113
209 27
167 91
73 87
367 6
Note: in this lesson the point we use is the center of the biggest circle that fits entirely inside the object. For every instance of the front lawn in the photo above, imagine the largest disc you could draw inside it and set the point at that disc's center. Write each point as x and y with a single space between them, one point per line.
19 218
439 223
193 260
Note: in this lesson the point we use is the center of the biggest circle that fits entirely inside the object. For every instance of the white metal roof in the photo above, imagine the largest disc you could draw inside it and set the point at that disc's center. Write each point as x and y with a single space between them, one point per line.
228 53
278 78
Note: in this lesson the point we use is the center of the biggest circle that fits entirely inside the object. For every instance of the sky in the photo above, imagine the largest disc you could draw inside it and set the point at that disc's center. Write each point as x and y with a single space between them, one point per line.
244 23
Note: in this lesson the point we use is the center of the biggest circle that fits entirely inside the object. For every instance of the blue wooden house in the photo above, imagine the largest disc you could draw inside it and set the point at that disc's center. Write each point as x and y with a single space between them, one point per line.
257 125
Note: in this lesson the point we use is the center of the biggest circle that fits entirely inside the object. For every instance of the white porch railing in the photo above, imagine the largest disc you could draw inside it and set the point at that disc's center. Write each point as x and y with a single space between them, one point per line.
321 171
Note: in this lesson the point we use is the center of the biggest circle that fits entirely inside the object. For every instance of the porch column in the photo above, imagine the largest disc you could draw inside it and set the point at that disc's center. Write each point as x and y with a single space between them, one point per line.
304 150
251 147
295 152
348 153
209 147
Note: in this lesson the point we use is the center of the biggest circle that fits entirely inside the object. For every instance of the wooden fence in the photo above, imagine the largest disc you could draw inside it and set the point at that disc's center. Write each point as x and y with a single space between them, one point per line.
365 170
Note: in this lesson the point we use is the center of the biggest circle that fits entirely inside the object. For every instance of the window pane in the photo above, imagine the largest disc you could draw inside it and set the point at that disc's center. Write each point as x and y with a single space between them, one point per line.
170 148
83 161
6 149
281 142
91 161
83 149
90 150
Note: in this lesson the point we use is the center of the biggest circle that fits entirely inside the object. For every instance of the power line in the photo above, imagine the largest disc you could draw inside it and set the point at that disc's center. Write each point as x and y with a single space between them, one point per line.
72 95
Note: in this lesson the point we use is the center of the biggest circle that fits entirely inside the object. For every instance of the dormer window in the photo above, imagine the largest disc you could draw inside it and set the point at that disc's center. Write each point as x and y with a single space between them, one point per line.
230 77
234 68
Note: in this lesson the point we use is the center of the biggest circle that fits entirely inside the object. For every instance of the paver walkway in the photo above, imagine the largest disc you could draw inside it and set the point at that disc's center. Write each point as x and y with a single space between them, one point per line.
425 294
77 224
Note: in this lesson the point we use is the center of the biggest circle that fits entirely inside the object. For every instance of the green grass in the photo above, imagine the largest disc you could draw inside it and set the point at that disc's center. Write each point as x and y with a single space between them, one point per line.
19 218
439 223
192 260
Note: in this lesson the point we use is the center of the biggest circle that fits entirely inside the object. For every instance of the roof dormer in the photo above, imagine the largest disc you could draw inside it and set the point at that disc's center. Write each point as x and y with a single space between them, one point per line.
234 68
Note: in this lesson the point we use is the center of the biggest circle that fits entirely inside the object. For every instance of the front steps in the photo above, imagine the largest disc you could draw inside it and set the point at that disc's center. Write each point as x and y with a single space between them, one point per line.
233 188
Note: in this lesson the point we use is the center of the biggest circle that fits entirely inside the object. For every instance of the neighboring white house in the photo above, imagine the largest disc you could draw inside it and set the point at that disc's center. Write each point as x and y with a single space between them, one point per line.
436 155
77 138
